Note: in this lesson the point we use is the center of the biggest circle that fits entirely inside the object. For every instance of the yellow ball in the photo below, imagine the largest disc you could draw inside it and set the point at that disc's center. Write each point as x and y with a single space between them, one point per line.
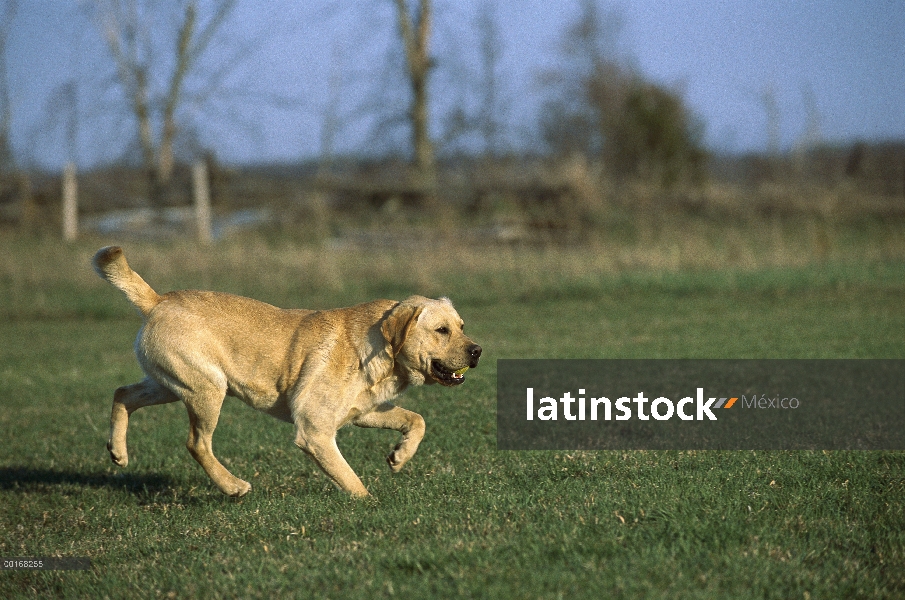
461 371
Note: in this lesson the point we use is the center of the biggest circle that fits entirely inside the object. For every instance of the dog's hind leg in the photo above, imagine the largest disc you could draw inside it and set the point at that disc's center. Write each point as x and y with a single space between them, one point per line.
126 400
408 423
204 412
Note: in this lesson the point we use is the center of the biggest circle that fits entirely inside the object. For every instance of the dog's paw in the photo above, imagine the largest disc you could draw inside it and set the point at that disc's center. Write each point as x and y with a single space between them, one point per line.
360 495
119 458
238 489
395 463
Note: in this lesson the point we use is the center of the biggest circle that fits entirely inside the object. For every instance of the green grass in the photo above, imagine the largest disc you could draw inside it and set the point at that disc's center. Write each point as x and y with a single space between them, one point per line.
463 519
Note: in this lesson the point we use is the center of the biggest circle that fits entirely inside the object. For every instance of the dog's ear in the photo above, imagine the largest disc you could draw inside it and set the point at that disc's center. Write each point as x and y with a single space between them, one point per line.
398 323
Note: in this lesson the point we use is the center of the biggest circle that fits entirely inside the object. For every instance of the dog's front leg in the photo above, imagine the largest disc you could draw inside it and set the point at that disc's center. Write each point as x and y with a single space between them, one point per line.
410 424
320 445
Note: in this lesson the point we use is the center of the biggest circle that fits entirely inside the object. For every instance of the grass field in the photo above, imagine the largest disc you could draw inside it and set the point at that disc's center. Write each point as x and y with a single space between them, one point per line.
463 519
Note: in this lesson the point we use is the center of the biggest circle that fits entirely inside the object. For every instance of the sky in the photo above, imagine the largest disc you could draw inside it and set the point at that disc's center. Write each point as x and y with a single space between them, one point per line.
835 69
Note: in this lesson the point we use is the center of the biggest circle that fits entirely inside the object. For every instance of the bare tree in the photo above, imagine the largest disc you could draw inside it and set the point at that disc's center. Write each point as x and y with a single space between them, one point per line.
7 14
415 31
809 139
489 49
771 109
570 121
154 84
605 109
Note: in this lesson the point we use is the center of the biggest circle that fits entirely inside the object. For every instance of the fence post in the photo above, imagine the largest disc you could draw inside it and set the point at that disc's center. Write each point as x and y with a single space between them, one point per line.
201 192
70 203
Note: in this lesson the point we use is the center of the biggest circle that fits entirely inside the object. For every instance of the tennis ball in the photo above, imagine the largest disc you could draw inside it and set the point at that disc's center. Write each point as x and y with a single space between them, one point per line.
461 371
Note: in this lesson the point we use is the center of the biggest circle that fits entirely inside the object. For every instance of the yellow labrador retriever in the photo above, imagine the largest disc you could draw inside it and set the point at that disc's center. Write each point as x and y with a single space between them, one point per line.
319 370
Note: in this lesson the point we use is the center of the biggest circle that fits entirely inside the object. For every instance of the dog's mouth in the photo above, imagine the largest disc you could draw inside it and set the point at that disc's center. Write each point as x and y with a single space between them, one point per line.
446 376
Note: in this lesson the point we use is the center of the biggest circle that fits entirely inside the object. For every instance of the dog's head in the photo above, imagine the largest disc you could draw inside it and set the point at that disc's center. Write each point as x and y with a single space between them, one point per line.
428 341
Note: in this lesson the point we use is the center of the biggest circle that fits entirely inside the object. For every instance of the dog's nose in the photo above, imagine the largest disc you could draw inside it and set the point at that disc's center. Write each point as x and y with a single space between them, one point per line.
475 352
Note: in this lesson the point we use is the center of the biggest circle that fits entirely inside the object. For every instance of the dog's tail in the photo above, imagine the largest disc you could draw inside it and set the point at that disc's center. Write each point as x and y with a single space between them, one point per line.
110 263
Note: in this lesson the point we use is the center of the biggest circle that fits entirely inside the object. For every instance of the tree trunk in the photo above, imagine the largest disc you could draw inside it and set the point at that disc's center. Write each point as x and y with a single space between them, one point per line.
415 37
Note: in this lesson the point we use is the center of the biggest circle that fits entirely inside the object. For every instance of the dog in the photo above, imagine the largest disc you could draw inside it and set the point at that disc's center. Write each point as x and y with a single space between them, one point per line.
319 370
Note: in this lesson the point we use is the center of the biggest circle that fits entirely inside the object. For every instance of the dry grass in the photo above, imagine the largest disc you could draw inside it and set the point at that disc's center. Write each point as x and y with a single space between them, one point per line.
431 263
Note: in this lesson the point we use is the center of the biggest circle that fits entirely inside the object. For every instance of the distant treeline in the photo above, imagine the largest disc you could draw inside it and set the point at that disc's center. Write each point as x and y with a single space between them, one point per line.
860 179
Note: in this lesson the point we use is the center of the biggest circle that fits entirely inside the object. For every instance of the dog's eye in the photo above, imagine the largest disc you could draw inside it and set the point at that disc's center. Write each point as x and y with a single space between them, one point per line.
443 330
